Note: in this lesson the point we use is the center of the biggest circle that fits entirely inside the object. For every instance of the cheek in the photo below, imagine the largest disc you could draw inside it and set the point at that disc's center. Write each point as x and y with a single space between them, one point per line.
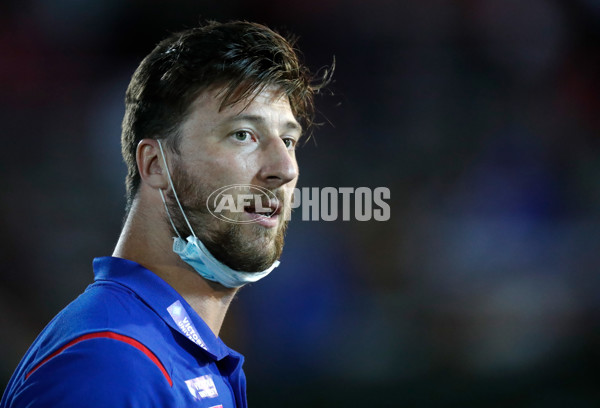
289 191
226 169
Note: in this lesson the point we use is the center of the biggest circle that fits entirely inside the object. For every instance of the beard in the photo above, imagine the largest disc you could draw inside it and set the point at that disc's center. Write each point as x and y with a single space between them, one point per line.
242 247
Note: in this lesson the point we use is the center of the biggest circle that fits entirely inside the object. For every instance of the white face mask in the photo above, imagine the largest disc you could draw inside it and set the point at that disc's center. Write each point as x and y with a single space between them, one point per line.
195 254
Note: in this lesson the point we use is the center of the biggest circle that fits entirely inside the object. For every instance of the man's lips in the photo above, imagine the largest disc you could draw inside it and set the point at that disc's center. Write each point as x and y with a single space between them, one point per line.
267 215
264 211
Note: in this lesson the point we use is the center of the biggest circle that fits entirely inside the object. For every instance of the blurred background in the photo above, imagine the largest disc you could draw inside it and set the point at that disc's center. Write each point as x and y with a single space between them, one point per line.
482 117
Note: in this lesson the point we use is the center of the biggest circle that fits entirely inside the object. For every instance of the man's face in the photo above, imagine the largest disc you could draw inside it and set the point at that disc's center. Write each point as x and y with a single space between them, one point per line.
245 145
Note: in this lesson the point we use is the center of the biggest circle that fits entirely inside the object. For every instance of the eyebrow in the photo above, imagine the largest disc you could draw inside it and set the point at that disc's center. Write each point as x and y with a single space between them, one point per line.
259 120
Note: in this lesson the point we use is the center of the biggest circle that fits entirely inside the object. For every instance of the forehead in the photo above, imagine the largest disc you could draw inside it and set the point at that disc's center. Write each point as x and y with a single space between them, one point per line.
270 103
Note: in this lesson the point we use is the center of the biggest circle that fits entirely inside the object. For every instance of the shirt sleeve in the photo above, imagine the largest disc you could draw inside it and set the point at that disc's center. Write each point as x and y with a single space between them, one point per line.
100 372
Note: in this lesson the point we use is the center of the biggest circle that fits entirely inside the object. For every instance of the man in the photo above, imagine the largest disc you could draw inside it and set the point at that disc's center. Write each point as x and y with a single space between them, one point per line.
211 107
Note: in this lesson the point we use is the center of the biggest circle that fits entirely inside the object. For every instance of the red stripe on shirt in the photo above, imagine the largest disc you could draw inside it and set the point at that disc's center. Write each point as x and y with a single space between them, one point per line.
108 335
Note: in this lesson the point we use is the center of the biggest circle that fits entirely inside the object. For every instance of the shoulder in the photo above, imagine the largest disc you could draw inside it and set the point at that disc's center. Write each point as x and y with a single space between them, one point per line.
104 349
101 308
98 370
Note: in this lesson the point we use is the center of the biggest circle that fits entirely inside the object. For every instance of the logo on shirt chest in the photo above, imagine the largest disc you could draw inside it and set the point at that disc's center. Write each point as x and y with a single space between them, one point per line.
202 387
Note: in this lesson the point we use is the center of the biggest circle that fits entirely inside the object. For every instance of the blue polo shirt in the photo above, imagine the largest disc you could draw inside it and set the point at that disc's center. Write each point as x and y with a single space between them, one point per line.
130 340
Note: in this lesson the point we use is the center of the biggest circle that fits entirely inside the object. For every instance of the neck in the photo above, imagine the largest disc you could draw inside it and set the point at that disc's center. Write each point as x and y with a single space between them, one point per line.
146 239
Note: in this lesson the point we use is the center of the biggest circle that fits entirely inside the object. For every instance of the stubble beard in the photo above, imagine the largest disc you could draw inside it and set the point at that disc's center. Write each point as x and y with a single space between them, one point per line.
242 247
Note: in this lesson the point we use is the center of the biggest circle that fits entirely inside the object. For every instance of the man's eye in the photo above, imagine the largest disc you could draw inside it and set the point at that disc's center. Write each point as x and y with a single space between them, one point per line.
242 136
290 143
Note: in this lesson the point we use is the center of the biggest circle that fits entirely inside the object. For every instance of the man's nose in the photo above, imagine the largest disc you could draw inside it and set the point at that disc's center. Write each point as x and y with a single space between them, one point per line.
278 165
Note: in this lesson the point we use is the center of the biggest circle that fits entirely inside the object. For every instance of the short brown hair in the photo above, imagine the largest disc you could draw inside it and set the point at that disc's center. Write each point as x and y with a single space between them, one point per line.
242 57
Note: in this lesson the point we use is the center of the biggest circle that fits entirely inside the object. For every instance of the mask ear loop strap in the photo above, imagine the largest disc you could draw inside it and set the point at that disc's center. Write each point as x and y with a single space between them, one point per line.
174 192
162 195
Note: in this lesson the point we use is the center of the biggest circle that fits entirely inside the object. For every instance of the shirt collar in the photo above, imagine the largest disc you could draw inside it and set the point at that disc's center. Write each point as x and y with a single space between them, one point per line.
164 300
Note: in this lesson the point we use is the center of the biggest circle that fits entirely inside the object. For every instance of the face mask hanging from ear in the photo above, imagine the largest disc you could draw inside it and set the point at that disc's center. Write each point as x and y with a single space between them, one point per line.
195 254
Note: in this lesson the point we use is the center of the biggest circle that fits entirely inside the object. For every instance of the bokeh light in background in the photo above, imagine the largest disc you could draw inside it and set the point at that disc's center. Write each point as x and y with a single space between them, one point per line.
483 119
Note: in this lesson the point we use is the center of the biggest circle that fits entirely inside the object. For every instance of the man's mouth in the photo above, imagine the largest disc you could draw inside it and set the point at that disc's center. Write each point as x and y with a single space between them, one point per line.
266 215
267 210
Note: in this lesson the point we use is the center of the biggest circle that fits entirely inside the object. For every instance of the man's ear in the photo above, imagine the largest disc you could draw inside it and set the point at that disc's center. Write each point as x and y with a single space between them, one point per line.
151 165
